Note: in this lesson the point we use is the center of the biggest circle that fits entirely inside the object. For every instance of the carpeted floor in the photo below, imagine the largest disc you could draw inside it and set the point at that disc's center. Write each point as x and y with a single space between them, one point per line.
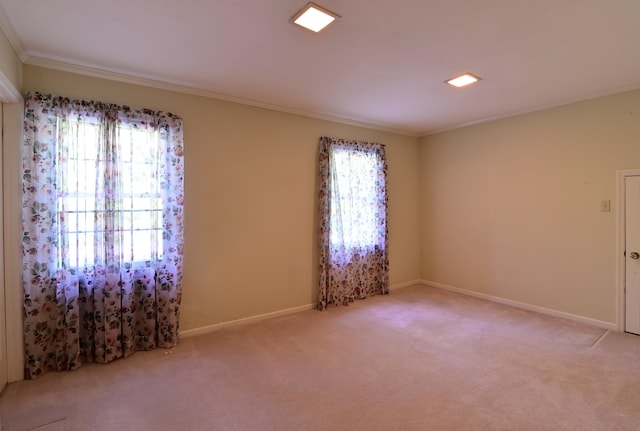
418 359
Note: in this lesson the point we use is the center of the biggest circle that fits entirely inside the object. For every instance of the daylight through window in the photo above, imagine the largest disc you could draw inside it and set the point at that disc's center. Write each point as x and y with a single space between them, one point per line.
93 219
354 198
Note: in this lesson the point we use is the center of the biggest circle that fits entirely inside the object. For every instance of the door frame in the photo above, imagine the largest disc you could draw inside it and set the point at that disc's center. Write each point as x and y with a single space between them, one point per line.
12 113
13 293
621 177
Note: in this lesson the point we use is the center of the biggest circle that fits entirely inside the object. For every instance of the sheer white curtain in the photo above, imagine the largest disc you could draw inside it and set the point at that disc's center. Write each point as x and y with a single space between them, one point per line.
102 231
353 221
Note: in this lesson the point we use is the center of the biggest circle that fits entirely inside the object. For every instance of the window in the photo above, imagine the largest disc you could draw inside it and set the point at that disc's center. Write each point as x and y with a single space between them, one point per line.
102 231
353 259
90 213
354 198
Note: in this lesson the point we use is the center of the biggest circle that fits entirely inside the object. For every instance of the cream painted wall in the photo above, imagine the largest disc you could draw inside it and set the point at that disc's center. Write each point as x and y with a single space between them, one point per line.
511 208
250 201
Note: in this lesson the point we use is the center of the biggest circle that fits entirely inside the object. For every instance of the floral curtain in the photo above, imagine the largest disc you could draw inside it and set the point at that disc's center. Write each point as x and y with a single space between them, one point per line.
354 261
102 217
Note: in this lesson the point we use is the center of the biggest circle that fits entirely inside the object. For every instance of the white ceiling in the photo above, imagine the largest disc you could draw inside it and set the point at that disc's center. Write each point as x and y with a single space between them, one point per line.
383 63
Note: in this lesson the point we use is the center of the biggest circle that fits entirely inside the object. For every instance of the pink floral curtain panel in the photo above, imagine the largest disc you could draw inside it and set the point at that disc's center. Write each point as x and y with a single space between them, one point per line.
354 261
102 214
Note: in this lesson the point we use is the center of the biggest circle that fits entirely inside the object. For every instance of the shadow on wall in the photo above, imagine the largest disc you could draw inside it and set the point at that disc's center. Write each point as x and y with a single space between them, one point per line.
315 242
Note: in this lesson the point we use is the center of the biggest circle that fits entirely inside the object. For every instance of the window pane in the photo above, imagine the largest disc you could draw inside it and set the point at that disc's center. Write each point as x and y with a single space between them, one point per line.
127 179
126 146
86 177
142 220
71 221
72 243
141 204
354 201
127 246
137 212
141 170
142 245
127 220
80 248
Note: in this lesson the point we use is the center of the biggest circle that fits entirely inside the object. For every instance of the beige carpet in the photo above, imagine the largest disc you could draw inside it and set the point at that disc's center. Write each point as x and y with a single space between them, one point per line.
418 359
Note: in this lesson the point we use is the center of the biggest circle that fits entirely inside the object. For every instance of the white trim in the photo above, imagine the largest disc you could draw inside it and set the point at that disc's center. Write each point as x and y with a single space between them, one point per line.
537 108
405 284
96 71
620 243
8 93
13 114
217 326
12 138
87 69
522 305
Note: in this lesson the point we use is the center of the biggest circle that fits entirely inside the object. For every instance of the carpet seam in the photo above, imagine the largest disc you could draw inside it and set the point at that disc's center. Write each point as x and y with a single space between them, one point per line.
600 338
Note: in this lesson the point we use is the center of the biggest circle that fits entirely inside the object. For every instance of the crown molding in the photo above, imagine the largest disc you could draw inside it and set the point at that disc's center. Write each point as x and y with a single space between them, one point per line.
556 104
66 65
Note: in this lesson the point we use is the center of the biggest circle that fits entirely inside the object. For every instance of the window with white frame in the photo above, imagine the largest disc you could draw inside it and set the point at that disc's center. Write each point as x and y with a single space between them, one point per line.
132 216
355 211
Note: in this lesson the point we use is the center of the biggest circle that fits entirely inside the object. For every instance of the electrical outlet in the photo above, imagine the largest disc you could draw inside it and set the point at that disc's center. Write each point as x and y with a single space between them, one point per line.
605 205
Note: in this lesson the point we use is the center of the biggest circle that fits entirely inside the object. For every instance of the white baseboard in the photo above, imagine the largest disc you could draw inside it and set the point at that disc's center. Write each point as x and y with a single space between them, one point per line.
217 326
244 321
405 284
542 310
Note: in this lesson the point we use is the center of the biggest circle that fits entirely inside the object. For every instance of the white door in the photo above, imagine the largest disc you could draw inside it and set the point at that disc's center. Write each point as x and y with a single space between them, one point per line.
632 254
3 309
